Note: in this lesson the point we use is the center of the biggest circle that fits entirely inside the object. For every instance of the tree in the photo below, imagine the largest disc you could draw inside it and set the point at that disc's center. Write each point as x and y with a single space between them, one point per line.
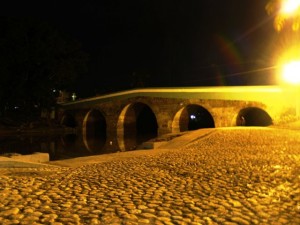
35 60
286 13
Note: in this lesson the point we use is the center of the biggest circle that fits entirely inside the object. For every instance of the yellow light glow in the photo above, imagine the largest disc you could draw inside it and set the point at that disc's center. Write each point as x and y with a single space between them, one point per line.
288 65
290 6
291 72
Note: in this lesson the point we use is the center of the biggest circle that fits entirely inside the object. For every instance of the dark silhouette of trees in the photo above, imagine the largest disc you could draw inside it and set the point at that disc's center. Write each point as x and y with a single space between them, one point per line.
139 79
35 62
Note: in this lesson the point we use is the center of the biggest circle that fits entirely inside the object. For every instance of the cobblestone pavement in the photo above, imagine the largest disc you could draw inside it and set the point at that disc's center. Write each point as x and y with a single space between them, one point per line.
232 176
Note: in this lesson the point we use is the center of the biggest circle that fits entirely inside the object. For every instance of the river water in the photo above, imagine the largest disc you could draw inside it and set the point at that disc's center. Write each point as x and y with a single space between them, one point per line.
58 146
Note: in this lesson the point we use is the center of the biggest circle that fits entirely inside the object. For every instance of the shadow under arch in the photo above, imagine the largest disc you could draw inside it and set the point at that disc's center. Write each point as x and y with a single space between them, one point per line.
253 116
192 117
94 131
69 120
136 124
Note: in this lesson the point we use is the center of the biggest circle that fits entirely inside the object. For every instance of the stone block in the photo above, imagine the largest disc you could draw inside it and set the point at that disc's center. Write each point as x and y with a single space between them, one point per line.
36 157
152 144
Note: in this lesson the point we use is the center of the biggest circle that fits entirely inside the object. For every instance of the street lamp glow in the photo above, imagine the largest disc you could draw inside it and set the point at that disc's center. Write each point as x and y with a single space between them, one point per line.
290 6
291 72
289 65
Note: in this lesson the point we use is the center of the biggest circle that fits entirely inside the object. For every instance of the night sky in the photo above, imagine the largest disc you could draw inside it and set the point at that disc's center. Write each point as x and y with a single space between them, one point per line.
163 42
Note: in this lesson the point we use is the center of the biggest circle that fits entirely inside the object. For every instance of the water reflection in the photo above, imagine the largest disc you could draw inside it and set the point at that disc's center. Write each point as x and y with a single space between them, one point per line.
58 146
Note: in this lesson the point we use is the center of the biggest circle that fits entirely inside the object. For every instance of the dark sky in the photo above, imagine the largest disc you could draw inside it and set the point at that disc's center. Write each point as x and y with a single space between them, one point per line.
165 42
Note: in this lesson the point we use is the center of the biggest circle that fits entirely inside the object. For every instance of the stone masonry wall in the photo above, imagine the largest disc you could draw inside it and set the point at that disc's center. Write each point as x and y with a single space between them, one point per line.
224 112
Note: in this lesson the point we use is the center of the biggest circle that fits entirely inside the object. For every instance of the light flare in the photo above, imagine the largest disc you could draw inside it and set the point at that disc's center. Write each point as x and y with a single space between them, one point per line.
289 66
291 72
290 6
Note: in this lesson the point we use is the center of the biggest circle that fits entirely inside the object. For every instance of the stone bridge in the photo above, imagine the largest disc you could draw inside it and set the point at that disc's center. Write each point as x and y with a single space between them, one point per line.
124 120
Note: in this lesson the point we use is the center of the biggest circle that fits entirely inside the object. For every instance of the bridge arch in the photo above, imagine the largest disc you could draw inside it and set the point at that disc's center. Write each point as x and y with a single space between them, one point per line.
253 116
192 117
137 123
69 120
94 130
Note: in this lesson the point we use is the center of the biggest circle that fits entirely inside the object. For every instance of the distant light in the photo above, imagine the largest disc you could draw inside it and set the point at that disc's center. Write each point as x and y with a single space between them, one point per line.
16 107
54 90
192 117
74 96
290 6
291 72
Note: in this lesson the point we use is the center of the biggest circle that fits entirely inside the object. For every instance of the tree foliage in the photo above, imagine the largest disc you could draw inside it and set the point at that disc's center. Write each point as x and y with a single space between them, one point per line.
281 19
35 59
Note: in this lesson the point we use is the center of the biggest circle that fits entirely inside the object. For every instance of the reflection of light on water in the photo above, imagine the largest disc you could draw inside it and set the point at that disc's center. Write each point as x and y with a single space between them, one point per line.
82 143
93 145
48 147
58 147
86 144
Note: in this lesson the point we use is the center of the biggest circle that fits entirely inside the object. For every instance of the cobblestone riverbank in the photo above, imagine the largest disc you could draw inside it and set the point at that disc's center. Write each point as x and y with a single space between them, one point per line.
231 176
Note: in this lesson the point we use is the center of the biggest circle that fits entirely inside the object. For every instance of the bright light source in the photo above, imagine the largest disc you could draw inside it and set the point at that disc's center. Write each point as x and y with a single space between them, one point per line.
290 6
289 65
192 117
291 72
74 96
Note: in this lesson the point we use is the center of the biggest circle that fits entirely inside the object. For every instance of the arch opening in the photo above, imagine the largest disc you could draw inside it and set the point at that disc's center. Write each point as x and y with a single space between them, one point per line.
68 120
94 130
137 123
192 117
253 116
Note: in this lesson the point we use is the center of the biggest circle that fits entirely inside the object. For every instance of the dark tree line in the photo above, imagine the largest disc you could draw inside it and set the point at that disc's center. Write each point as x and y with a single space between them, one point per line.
35 61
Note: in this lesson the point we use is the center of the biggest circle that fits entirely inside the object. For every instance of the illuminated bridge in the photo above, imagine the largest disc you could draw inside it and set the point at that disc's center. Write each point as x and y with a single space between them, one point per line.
124 120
